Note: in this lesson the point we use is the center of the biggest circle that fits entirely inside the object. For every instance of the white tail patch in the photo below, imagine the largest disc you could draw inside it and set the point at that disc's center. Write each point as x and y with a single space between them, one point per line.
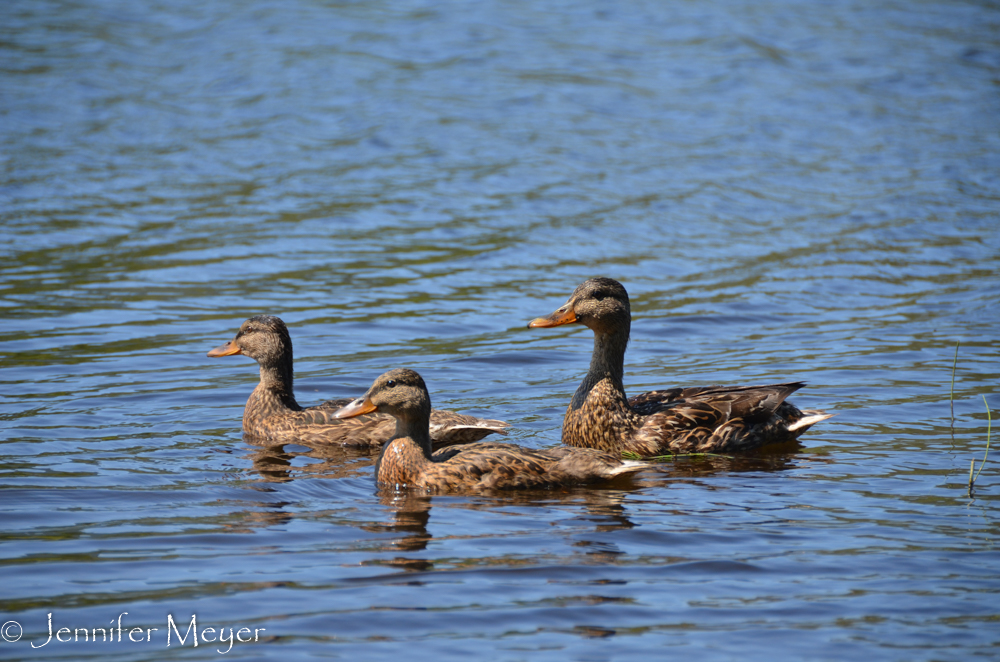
630 466
810 420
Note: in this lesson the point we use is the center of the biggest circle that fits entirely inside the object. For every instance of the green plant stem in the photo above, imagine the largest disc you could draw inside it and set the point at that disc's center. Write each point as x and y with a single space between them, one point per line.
989 425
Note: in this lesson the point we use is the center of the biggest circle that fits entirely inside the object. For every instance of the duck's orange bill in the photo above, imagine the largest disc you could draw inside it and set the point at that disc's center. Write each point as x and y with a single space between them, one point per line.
356 408
228 349
565 315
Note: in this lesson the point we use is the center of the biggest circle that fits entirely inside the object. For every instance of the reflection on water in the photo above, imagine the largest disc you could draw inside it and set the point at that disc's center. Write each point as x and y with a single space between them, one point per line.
285 462
410 513
788 191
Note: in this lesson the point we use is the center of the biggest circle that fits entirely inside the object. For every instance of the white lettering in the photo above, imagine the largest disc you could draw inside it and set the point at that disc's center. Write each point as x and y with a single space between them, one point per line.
222 639
226 637
50 634
192 627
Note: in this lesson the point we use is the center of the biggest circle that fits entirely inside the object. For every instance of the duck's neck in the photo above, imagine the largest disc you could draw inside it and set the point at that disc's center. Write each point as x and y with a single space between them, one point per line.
278 376
416 428
599 416
272 397
404 457
607 366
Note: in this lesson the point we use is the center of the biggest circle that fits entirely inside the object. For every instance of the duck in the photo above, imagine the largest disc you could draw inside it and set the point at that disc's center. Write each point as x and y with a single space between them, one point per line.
407 461
272 413
699 419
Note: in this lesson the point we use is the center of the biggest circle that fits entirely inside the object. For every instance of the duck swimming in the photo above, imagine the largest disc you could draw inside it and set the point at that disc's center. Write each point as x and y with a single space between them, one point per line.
272 413
406 461
677 420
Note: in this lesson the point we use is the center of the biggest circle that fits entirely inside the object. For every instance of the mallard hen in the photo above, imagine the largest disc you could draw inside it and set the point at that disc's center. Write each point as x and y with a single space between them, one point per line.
406 461
272 413
677 420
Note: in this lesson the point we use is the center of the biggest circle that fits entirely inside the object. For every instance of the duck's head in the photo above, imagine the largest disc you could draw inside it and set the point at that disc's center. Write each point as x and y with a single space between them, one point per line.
599 303
401 393
263 338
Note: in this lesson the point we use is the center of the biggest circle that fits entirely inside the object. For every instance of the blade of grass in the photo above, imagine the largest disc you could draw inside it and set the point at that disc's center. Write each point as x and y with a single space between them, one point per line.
989 425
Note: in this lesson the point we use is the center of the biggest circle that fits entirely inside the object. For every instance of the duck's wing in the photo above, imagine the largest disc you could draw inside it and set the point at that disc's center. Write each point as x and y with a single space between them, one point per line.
493 465
449 452
333 405
713 418
447 428
316 425
739 400
485 466
587 465
652 401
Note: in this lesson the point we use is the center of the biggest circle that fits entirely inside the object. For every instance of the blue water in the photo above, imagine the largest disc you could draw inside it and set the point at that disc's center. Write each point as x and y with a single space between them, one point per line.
789 191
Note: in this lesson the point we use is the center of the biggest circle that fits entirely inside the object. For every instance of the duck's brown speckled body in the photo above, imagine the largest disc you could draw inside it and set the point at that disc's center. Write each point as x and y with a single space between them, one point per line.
677 420
272 414
406 461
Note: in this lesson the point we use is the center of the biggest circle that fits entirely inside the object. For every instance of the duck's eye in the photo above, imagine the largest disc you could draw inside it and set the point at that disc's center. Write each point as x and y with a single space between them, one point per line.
391 383
249 329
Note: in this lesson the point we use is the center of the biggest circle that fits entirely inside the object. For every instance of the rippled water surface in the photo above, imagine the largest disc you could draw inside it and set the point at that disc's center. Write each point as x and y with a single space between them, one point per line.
789 191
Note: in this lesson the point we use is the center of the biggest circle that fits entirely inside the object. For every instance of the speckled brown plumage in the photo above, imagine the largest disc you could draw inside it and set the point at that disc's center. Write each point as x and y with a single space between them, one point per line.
678 420
407 461
272 414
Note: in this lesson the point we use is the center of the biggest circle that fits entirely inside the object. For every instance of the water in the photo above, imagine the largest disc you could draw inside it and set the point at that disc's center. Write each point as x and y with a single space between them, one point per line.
788 190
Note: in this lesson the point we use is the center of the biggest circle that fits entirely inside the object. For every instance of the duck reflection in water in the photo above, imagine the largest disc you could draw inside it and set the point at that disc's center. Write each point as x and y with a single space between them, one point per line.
281 463
410 515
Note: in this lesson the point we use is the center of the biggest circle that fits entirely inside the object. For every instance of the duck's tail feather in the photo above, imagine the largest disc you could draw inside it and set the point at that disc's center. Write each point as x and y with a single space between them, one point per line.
628 467
810 417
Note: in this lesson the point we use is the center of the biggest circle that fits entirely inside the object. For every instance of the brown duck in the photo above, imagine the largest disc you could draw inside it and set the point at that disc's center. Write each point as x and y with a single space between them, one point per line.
406 461
272 413
677 420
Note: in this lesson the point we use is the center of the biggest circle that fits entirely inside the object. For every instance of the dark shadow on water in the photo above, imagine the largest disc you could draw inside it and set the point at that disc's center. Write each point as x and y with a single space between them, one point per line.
773 458
285 462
